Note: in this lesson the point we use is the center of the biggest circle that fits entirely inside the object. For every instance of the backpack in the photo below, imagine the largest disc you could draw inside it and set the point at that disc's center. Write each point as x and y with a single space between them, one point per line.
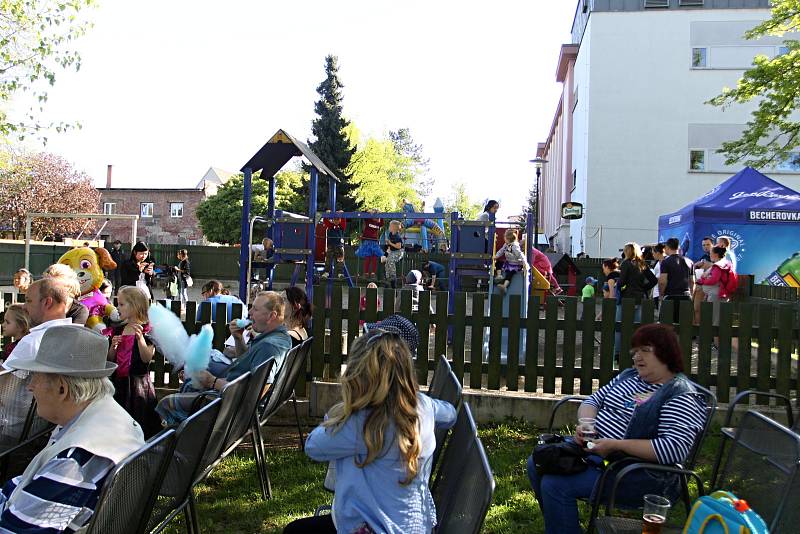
721 512
730 283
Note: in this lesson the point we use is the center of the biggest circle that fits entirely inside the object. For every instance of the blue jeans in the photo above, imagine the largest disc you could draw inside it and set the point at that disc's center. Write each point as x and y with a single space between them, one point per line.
558 494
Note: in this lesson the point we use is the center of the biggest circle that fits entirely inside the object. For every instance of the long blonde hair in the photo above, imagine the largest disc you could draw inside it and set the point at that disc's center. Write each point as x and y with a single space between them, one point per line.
633 252
380 378
137 301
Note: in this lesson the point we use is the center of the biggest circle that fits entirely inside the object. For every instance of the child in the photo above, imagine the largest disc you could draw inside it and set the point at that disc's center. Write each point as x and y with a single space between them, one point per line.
22 280
588 290
362 305
381 438
369 248
106 288
132 349
394 242
334 230
16 324
513 260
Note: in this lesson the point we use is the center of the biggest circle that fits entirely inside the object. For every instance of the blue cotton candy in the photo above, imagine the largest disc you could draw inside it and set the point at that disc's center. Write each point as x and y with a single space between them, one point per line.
168 334
198 353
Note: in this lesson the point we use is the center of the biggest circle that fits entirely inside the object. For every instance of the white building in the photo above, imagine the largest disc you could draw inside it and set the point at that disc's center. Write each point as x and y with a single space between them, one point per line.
632 137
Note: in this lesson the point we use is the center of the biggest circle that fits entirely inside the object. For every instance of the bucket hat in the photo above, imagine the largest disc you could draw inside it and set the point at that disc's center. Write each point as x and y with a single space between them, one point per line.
70 350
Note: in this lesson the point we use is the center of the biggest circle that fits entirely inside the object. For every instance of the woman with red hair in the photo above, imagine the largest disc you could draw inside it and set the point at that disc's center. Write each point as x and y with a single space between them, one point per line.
649 411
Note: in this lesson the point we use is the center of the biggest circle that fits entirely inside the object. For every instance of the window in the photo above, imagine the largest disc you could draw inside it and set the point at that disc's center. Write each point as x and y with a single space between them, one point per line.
146 209
176 209
790 164
109 208
699 58
697 160
192 242
783 50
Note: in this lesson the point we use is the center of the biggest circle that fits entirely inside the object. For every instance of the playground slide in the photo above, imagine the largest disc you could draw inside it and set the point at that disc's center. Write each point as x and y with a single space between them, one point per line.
519 286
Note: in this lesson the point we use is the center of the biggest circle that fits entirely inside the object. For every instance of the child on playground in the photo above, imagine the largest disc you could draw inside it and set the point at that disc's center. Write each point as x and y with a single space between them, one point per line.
16 324
513 260
394 242
381 439
369 249
334 232
362 304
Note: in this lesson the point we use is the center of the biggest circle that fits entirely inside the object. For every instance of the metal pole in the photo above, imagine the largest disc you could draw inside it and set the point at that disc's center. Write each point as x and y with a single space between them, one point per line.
331 194
536 213
28 242
312 231
244 248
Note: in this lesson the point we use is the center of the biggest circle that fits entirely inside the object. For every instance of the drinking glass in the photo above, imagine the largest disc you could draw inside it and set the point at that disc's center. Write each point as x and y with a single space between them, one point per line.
655 513
587 429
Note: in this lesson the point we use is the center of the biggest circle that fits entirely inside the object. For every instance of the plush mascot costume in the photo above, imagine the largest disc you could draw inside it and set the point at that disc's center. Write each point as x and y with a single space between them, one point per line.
88 264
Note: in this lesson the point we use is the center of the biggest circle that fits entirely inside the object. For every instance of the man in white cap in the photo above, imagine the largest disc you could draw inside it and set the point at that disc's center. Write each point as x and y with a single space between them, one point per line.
69 380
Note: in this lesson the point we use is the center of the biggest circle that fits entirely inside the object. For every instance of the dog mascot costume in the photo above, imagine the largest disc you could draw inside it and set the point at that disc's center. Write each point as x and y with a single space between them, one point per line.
88 264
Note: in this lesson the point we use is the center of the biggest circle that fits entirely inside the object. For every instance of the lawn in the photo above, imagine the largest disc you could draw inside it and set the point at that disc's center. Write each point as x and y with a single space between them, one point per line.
230 501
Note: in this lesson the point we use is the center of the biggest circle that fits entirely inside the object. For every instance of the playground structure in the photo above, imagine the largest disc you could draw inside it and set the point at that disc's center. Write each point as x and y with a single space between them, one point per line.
472 244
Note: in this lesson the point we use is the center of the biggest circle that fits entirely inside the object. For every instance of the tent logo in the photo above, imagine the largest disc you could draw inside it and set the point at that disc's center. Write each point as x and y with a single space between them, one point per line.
737 242
763 194
674 219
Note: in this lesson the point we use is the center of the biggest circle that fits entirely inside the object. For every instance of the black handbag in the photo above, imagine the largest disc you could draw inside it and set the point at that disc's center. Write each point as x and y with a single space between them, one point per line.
553 455
650 280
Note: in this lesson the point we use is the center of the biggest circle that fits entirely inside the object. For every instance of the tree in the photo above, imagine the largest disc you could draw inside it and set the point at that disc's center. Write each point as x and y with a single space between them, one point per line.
461 202
220 215
381 177
773 131
35 40
44 183
404 144
331 143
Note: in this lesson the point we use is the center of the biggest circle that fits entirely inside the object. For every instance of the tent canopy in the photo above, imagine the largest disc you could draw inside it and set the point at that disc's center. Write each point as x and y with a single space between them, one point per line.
748 196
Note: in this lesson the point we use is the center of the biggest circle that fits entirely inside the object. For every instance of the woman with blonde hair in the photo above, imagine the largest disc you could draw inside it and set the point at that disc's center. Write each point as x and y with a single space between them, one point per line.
631 273
16 325
381 438
132 349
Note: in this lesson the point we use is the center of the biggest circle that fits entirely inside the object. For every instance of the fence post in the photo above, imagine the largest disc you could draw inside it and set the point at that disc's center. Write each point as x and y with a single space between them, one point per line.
440 338
495 341
587 340
513 337
476 345
743 363
550 344
318 331
786 327
725 334
336 331
705 338
424 328
459 321
532 345
764 365
568 358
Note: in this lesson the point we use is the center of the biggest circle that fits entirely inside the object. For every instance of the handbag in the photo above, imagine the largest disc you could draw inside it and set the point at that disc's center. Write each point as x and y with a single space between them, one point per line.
721 512
188 280
554 455
141 285
650 280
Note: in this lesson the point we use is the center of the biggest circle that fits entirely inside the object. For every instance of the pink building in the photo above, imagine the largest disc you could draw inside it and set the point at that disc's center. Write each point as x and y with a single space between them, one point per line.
558 178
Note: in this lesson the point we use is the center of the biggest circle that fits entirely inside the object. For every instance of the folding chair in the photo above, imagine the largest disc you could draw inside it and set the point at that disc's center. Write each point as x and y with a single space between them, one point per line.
191 438
445 386
129 491
453 458
281 392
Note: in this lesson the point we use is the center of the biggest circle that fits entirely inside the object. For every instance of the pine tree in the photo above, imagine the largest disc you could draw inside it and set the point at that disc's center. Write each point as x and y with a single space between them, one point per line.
331 143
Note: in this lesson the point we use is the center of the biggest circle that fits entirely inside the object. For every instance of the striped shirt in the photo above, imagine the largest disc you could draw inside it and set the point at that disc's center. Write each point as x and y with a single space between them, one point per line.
61 497
682 417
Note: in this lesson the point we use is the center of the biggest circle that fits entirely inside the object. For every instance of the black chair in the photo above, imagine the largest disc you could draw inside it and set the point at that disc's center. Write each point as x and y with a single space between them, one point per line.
191 438
445 386
453 458
562 403
762 468
729 432
464 485
129 491
281 392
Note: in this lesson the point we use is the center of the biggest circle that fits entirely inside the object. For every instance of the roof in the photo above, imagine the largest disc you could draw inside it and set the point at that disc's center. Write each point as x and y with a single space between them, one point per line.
732 200
216 176
280 148
561 263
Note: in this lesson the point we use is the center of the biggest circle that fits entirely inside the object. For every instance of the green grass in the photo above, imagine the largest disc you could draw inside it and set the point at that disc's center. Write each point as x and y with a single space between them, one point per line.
230 501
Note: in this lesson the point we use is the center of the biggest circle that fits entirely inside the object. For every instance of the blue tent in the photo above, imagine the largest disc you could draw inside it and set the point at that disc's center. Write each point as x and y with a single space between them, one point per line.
760 216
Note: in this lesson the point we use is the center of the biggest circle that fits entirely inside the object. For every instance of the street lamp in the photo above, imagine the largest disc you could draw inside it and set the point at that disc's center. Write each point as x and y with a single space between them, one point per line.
538 162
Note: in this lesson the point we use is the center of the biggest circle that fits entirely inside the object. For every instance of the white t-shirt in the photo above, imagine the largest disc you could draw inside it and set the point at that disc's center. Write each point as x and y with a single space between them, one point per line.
28 346
657 272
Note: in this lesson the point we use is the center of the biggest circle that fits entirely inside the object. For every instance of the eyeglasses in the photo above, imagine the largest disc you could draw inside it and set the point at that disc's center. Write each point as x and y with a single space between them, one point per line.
644 349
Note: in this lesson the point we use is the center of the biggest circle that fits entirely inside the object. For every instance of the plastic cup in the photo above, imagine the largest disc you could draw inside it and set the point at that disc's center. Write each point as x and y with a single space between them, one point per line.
587 430
655 513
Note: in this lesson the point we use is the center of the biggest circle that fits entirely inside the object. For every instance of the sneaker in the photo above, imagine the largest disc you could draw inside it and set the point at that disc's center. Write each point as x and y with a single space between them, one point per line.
324 275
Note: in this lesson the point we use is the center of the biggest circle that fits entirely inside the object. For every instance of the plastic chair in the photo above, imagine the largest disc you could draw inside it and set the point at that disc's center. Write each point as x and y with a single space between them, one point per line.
762 468
281 392
439 373
454 456
130 488
191 438
446 387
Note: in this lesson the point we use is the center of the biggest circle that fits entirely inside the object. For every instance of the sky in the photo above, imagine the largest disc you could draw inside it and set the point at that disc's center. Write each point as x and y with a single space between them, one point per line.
168 89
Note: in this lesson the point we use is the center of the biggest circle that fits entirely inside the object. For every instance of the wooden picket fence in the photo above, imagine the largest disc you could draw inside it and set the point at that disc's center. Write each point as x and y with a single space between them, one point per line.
759 339
567 348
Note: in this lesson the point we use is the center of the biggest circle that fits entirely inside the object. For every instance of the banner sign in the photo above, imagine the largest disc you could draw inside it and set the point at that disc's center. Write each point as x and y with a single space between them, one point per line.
773 215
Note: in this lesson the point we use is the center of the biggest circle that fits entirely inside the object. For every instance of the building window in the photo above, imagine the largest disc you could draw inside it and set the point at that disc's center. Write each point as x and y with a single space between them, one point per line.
192 242
700 58
176 209
790 164
783 50
146 209
109 208
697 160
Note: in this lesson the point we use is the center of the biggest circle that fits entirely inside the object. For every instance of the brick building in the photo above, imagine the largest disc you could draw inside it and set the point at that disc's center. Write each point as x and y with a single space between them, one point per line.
166 216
